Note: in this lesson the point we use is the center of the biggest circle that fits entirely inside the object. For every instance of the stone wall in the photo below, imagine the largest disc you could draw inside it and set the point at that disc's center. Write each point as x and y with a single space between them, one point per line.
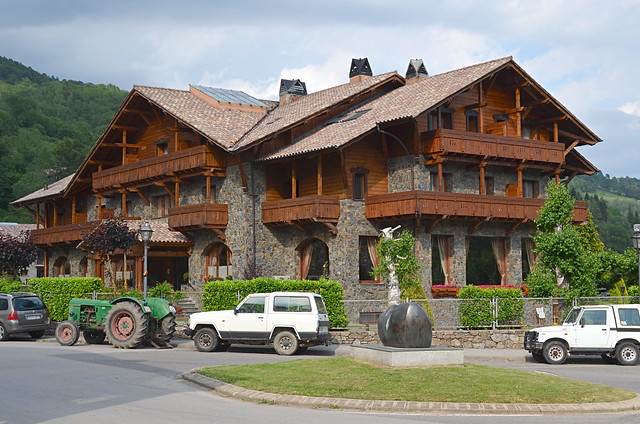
468 339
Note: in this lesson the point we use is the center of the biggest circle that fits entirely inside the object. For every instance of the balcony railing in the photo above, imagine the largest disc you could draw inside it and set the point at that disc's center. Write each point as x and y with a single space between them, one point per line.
202 215
184 161
307 208
458 205
492 146
63 233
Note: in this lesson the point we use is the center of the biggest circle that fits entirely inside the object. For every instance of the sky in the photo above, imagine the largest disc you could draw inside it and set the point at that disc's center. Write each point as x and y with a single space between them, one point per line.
585 53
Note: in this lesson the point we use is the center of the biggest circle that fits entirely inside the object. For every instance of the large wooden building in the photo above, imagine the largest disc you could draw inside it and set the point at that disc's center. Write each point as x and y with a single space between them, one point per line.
300 188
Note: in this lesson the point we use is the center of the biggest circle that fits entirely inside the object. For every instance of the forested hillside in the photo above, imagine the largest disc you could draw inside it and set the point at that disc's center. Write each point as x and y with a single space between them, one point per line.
615 205
47 126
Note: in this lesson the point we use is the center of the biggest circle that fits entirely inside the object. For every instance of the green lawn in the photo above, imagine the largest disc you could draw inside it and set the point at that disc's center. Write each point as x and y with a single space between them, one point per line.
345 378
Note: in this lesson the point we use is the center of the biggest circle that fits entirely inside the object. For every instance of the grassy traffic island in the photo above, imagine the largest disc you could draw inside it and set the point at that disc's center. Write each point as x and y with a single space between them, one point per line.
345 378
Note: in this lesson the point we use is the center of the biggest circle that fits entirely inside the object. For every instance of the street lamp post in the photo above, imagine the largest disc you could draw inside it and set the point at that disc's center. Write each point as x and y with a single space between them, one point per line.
145 233
636 244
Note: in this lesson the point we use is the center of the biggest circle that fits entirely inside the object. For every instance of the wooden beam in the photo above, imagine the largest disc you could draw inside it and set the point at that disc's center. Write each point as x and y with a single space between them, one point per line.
479 105
575 137
243 176
102 162
124 151
140 113
554 119
218 232
142 196
208 189
294 181
124 204
571 177
513 227
482 188
126 128
518 114
473 227
127 145
319 175
166 188
520 169
345 177
536 103
555 132
570 148
176 198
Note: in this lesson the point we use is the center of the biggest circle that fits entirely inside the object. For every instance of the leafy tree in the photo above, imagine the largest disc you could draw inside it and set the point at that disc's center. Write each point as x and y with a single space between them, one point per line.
107 237
560 246
16 254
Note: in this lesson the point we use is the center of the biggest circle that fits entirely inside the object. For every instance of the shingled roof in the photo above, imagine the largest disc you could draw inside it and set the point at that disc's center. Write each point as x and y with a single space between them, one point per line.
304 107
223 126
50 191
408 101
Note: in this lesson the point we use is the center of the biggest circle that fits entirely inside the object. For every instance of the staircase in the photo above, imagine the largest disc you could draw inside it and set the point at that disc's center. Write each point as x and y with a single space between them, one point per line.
188 307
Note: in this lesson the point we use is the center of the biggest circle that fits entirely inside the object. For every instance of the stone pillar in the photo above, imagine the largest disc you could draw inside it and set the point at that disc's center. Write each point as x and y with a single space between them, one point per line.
458 260
514 260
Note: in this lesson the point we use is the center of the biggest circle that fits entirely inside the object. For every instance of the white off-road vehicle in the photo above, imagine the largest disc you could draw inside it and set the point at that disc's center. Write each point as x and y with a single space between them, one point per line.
612 331
290 321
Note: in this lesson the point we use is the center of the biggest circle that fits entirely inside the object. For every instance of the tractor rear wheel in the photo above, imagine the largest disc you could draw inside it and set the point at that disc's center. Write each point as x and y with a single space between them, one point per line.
126 325
168 325
67 333
93 336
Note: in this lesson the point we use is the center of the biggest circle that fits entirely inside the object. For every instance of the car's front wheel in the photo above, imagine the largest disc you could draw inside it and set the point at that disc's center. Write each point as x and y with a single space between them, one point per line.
206 340
555 353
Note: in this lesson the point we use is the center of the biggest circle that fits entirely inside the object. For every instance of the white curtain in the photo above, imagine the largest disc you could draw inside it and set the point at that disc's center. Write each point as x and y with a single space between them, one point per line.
372 243
532 256
443 249
499 249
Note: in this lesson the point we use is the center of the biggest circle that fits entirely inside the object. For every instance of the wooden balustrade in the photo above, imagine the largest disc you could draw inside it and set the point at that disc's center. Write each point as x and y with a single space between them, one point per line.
307 208
458 205
63 233
184 161
202 215
492 146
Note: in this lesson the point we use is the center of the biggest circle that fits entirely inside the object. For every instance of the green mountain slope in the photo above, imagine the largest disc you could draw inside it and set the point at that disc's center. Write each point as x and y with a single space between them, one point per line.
615 205
47 127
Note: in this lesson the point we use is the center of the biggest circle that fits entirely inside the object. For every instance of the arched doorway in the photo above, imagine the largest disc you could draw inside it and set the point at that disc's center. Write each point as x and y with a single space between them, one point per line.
218 260
314 259
62 267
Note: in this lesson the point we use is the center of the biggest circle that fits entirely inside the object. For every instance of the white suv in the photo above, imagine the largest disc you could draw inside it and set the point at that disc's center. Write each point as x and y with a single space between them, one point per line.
290 321
612 331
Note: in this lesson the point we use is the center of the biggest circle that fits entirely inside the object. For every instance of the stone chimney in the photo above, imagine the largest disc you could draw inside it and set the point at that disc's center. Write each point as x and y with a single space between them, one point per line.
416 71
291 90
360 70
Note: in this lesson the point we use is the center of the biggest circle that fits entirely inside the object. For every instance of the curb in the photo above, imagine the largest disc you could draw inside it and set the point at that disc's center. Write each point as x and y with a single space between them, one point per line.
408 407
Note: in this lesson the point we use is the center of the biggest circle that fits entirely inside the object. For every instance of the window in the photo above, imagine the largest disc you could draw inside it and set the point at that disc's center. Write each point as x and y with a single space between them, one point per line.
526 132
61 267
472 121
489 186
359 183
291 304
367 259
629 316
218 260
4 304
530 189
441 118
594 317
162 146
253 305
162 205
446 182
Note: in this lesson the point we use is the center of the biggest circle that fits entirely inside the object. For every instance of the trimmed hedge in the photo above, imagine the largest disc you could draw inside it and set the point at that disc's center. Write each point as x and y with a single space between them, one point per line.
476 311
224 295
57 292
10 286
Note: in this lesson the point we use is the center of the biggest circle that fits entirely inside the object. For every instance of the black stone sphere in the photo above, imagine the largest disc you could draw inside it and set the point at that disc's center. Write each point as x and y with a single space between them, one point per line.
405 325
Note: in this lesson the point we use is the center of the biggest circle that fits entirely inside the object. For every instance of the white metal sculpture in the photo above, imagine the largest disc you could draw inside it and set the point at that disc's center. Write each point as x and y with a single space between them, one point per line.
393 287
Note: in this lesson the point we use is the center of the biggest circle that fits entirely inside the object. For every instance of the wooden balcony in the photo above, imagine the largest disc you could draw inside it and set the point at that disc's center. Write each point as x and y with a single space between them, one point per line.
492 146
63 234
186 161
301 209
458 206
202 215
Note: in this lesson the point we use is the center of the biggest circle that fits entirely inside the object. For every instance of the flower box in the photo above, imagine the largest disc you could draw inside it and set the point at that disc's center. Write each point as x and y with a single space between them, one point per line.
447 290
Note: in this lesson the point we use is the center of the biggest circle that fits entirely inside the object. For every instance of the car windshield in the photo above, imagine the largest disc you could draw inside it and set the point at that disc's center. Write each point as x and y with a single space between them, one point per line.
27 303
572 317
320 305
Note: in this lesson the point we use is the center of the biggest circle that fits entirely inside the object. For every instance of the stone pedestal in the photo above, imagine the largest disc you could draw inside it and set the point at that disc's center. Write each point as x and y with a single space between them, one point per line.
396 357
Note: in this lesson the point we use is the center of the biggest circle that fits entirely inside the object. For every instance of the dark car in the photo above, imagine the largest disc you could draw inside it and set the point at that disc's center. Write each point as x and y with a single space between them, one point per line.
22 313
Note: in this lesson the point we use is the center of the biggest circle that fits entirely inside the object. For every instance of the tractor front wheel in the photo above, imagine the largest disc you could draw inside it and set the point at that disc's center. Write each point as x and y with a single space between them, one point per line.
67 333
168 326
126 325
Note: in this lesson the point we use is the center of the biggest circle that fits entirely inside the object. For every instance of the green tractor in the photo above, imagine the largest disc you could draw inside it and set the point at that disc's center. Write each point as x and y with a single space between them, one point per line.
125 322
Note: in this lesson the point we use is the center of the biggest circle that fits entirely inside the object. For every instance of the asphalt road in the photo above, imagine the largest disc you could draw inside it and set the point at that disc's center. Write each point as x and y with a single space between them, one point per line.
48 383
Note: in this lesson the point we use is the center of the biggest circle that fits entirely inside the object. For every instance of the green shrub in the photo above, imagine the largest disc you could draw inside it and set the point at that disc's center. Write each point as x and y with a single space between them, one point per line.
10 286
476 310
57 292
222 295
164 290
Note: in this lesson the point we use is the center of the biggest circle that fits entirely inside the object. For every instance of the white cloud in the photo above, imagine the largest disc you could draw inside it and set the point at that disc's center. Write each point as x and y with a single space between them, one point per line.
631 108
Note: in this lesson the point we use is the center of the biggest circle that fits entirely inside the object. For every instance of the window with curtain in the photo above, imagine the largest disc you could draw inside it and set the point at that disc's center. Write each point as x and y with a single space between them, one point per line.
441 260
367 259
218 260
